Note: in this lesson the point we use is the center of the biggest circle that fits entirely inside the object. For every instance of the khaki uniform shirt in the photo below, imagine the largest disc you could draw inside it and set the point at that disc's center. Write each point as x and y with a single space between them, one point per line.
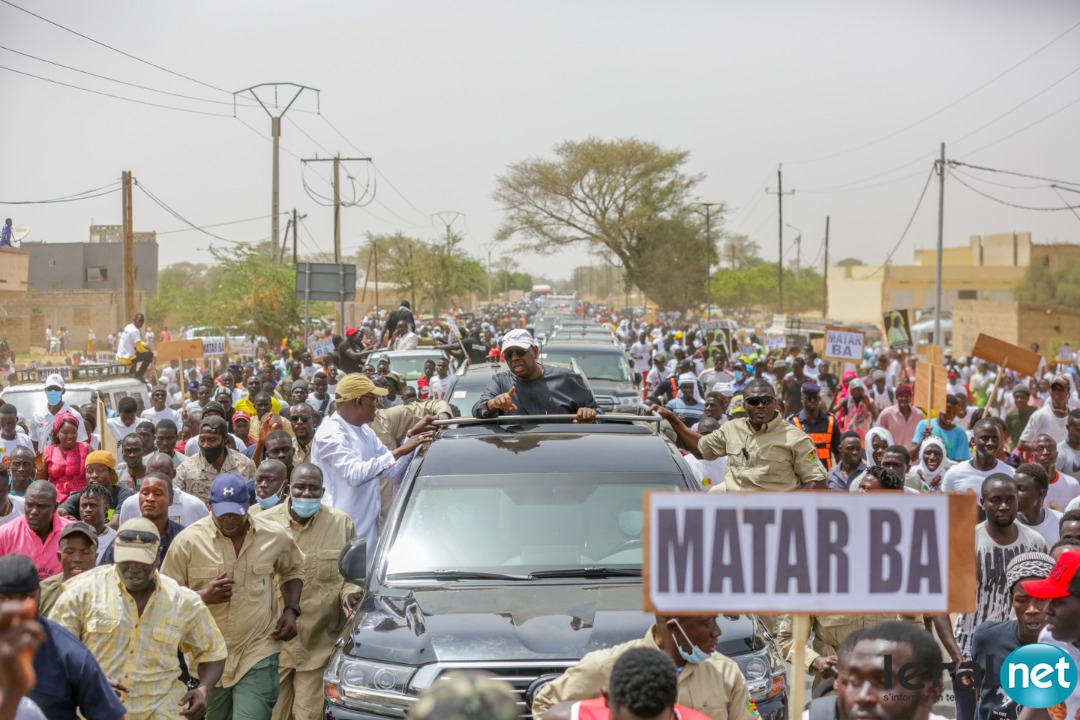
50 592
715 687
140 650
195 475
201 553
779 456
390 426
828 633
321 540
301 454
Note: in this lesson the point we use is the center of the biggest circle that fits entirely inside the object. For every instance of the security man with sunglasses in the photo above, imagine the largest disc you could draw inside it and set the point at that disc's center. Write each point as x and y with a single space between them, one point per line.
763 451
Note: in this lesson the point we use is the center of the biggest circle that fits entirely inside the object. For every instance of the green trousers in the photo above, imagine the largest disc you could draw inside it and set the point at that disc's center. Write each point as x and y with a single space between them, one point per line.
252 698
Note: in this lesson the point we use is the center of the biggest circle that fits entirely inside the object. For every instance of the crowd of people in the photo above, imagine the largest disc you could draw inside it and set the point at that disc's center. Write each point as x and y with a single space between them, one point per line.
133 535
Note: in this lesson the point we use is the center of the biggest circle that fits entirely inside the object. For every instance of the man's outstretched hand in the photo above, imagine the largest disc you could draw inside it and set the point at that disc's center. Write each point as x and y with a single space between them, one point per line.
585 415
503 403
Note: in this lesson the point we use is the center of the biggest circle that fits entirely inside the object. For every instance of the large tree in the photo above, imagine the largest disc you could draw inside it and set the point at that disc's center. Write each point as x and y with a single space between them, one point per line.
627 199
435 273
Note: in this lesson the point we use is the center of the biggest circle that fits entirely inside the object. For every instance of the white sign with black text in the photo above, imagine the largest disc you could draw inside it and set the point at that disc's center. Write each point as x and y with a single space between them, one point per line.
809 552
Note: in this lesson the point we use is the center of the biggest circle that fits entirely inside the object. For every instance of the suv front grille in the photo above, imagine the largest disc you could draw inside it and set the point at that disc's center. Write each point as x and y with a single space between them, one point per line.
606 402
520 676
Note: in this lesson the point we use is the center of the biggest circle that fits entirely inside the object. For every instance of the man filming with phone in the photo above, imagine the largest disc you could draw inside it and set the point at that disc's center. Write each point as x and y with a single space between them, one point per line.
763 451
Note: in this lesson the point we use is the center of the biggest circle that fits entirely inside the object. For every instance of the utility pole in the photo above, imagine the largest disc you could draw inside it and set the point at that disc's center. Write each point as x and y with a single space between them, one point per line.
798 252
129 248
780 225
375 250
938 339
275 135
337 160
447 218
708 255
825 274
295 229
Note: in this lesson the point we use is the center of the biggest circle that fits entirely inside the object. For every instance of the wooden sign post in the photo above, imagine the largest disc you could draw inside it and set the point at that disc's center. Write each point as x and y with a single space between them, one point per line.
1006 356
808 554
931 387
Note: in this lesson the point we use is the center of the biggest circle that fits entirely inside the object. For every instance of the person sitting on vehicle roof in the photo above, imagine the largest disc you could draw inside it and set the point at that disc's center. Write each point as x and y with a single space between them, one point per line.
529 388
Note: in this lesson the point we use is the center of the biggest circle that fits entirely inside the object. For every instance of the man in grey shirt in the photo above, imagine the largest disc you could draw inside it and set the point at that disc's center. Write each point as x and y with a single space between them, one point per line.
529 388
1068 460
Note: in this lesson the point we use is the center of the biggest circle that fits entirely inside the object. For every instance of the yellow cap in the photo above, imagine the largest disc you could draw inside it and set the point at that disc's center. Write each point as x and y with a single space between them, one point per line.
356 385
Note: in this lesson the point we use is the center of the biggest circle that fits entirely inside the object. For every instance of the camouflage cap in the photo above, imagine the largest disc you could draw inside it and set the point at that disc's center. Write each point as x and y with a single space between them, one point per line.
467 696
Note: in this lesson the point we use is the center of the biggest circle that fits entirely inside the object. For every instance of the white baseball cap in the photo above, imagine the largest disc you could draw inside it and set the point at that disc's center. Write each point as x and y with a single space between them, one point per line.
55 380
518 339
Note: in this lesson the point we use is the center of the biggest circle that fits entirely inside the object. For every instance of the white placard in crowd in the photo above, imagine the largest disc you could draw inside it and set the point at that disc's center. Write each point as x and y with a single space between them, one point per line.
452 324
213 347
809 552
321 348
843 344
774 343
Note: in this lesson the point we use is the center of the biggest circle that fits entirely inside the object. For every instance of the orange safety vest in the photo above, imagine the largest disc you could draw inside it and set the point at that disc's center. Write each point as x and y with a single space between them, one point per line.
822 441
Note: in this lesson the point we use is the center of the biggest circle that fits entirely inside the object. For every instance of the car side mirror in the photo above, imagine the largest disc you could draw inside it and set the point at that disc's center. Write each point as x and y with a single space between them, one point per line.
353 562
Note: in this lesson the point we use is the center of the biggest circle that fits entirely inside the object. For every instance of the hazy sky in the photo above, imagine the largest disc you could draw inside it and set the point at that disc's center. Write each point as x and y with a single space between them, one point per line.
444 95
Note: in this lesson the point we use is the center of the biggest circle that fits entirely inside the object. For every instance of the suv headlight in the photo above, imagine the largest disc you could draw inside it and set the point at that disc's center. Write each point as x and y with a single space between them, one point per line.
763 678
379 688
628 400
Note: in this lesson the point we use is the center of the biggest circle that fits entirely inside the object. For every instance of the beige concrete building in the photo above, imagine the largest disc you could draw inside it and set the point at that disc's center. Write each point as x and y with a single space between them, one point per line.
987 269
1017 323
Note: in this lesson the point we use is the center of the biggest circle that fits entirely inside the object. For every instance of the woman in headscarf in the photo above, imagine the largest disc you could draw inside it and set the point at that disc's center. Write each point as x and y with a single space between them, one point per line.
877 439
64 461
932 463
841 396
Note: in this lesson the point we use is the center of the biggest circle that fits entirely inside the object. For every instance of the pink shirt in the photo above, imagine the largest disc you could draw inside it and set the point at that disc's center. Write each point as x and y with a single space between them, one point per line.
17 537
902 431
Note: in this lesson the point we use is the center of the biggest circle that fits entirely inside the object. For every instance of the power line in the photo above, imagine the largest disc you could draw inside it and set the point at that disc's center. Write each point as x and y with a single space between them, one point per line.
118 97
941 110
1026 127
341 135
161 203
957 163
888 258
1055 189
988 196
305 134
116 50
221 224
122 82
84 195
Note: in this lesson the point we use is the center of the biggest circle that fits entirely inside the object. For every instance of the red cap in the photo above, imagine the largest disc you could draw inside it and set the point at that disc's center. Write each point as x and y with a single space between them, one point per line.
903 390
350 331
1064 579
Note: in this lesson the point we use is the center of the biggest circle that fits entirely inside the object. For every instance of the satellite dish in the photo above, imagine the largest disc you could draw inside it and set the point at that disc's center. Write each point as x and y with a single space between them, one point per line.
20 232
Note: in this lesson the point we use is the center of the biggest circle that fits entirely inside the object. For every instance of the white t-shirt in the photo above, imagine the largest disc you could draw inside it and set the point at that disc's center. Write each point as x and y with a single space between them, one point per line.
1062 491
440 387
963 477
1068 459
1048 528
125 348
8 446
16 510
167 413
185 508
41 426
104 542
1072 703
641 352
1044 422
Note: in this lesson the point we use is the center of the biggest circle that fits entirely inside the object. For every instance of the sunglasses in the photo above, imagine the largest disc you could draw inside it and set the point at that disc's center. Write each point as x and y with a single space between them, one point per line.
138 536
759 401
302 418
515 352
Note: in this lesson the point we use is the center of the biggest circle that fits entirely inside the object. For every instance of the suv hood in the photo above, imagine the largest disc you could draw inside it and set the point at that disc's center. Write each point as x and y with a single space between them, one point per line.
535 621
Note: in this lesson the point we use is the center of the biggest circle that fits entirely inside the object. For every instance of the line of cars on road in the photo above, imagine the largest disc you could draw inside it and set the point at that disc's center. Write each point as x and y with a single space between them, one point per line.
514 546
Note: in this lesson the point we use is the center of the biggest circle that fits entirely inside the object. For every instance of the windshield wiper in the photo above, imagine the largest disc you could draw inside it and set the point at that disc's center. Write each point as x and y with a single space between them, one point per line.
588 572
453 575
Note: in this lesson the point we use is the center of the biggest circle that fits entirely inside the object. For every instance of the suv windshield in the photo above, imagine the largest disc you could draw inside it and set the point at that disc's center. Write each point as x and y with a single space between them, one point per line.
412 365
523 523
598 364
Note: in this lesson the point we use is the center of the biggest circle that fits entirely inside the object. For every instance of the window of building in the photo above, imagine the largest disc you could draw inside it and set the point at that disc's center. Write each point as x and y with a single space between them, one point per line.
968 295
97 274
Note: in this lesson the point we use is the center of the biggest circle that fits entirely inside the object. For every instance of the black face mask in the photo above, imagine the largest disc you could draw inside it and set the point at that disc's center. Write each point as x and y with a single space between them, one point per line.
212 454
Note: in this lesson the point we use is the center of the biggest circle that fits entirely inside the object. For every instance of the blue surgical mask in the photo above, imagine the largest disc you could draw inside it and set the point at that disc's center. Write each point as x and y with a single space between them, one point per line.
696 656
306 507
267 503
55 397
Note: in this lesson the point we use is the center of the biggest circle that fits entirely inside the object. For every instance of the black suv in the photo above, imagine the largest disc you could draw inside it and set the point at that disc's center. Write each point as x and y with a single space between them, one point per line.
514 547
